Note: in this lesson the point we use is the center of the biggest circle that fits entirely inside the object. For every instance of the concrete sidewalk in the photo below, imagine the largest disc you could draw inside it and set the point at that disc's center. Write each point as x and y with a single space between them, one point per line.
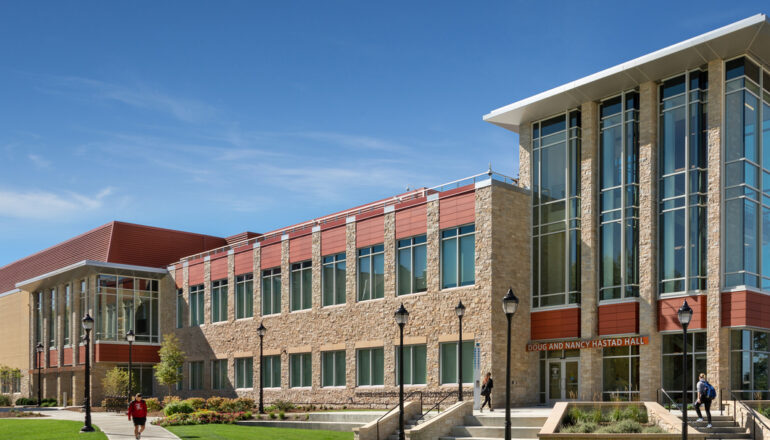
115 426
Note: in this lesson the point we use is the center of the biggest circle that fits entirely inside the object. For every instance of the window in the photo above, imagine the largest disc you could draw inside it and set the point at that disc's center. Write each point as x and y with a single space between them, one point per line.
52 320
415 371
196 305
219 301
553 369
333 368
458 251
142 379
219 374
127 303
449 362
83 302
746 241
244 296
10 381
672 362
67 313
371 273
271 291
621 373
333 279
412 265
300 370
179 308
271 373
750 367
556 210
301 286
683 183
196 375
179 385
619 199
244 373
371 367
38 317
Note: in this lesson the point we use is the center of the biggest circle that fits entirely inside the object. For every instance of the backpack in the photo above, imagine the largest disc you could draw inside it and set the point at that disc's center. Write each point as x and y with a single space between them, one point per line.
710 391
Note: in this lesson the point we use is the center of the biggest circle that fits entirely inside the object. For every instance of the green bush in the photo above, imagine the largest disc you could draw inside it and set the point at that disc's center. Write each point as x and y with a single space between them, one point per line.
197 403
24 401
182 407
244 404
580 428
283 405
653 430
272 415
215 403
169 399
621 427
282 415
5 400
635 413
153 404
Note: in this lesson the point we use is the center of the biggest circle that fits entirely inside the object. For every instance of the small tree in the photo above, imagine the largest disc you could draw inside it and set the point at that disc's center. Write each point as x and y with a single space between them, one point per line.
115 382
169 370
8 377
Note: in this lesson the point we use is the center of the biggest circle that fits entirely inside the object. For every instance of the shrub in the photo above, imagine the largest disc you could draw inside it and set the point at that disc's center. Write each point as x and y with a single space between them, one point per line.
270 408
653 430
179 407
283 405
23 401
580 428
5 400
113 404
243 404
197 403
282 415
635 413
48 404
272 415
169 399
215 403
153 404
115 382
622 427
228 405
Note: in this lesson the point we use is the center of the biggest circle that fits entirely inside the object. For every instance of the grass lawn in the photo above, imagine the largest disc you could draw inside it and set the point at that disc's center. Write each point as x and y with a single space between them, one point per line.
45 430
237 432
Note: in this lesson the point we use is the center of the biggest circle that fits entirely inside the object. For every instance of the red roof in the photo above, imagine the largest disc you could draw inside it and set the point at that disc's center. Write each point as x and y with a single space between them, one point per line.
115 242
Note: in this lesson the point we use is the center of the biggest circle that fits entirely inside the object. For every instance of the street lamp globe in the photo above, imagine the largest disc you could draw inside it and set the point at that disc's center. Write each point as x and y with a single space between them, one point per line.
88 322
510 302
261 330
130 337
402 316
39 347
685 314
460 310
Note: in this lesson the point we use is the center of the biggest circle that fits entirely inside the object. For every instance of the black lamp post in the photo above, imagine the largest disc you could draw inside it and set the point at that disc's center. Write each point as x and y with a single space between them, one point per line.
460 311
88 325
39 350
130 337
261 332
685 315
510 304
402 317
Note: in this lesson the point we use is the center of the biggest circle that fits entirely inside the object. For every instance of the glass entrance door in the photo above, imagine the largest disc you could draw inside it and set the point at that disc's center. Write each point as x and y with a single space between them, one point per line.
562 379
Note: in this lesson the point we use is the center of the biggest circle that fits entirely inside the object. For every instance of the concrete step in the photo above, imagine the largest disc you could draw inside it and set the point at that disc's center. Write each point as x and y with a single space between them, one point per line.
345 416
495 420
302 424
449 437
494 431
722 430
715 423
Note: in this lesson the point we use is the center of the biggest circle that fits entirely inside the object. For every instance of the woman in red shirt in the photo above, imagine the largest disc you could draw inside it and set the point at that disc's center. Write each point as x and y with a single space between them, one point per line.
138 410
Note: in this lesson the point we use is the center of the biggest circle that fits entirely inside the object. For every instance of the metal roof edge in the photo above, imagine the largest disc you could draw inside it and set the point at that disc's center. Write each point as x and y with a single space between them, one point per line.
91 263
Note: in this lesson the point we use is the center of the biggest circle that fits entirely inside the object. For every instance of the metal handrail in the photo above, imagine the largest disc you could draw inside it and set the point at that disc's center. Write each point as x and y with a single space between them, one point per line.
377 424
437 406
676 405
751 412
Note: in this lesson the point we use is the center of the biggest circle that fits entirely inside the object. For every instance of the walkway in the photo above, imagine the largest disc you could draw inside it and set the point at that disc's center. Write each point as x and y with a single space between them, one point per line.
115 426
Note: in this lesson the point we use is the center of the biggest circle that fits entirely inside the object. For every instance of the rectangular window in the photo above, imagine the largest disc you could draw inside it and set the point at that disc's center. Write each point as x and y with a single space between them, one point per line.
448 363
370 367
244 296
179 308
458 254
271 373
333 279
333 368
371 273
415 361
67 313
219 374
179 385
621 373
83 299
271 291
672 362
196 375
412 265
127 303
219 300
750 364
38 317
244 373
52 320
301 286
196 305
300 370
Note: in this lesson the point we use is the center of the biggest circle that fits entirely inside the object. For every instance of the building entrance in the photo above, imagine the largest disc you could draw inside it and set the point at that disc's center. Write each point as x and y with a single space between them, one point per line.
562 379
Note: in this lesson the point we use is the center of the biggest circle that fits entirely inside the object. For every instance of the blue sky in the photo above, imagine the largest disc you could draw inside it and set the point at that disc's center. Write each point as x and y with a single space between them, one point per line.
220 117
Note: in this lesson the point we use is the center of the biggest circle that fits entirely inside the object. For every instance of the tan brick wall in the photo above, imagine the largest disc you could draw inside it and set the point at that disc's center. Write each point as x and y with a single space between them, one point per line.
15 331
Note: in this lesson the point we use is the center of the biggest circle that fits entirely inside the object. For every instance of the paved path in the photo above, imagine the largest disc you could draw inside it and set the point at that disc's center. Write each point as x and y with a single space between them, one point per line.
115 426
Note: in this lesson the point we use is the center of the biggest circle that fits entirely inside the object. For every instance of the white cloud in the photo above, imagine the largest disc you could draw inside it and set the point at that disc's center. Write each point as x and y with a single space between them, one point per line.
39 161
43 205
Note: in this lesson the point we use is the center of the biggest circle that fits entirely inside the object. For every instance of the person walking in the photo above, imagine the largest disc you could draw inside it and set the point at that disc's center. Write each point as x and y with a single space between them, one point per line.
706 394
486 391
138 411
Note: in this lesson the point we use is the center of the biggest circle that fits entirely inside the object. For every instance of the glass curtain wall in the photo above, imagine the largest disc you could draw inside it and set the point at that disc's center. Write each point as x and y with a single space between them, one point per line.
556 210
672 362
127 303
683 183
620 373
747 175
619 197
749 369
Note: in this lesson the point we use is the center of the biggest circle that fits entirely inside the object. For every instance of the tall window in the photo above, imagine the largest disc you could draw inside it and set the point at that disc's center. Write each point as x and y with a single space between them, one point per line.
300 370
458 256
83 298
244 373
619 199
412 265
672 362
333 368
683 183
52 320
750 364
67 313
127 303
196 375
219 374
196 305
448 362
301 285
747 175
179 386
38 317
371 272
333 279
219 300
415 361
556 210
271 291
621 373
271 373
179 308
244 296
370 367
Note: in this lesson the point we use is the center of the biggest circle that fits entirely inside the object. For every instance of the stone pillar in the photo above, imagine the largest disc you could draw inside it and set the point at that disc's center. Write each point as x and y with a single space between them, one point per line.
78 388
207 289
433 242
231 297
650 375
718 348
317 300
390 254
257 281
285 275
186 294
351 262
590 387
525 156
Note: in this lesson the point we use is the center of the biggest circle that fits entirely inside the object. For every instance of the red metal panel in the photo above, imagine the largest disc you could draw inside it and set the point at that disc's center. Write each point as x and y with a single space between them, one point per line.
668 308
106 352
195 272
219 268
81 354
555 324
619 319
67 355
271 256
412 221
53 358
370 231
457 210
301 248
333 241
179 276
244 260
745 308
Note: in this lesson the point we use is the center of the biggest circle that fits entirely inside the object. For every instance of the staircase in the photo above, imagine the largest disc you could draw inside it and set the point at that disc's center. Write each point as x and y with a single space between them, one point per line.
724 427
491 426
409 424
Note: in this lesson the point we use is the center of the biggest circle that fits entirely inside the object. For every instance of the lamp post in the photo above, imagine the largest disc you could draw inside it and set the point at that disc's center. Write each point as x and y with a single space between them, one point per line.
130 337
510 304
261 332
685 315
39 350
88 325
460 311
402 317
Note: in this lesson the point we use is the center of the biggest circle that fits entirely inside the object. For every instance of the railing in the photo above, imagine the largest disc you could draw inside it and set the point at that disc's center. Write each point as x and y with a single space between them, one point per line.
750 411
437 406
377 425
673 402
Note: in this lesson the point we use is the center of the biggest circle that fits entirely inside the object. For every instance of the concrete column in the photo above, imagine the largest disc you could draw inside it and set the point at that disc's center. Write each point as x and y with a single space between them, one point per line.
186 295
351 263
390 255
231 286
285 277
525 156
317 301
257 285
207 290
650 375
433 242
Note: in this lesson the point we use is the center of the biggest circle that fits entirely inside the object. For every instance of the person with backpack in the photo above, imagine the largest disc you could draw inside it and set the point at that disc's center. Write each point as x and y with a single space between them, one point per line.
486 391
138 410
706 393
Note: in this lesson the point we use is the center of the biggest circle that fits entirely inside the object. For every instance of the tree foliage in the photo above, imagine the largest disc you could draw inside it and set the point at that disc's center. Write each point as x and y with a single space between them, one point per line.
169 370
115 382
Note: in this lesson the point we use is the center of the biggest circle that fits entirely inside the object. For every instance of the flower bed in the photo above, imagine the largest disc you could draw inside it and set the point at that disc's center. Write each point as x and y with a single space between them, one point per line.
629 420
201 417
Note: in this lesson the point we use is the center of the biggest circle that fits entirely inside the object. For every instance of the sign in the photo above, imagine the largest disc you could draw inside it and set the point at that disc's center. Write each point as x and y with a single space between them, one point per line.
477 376
589 343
